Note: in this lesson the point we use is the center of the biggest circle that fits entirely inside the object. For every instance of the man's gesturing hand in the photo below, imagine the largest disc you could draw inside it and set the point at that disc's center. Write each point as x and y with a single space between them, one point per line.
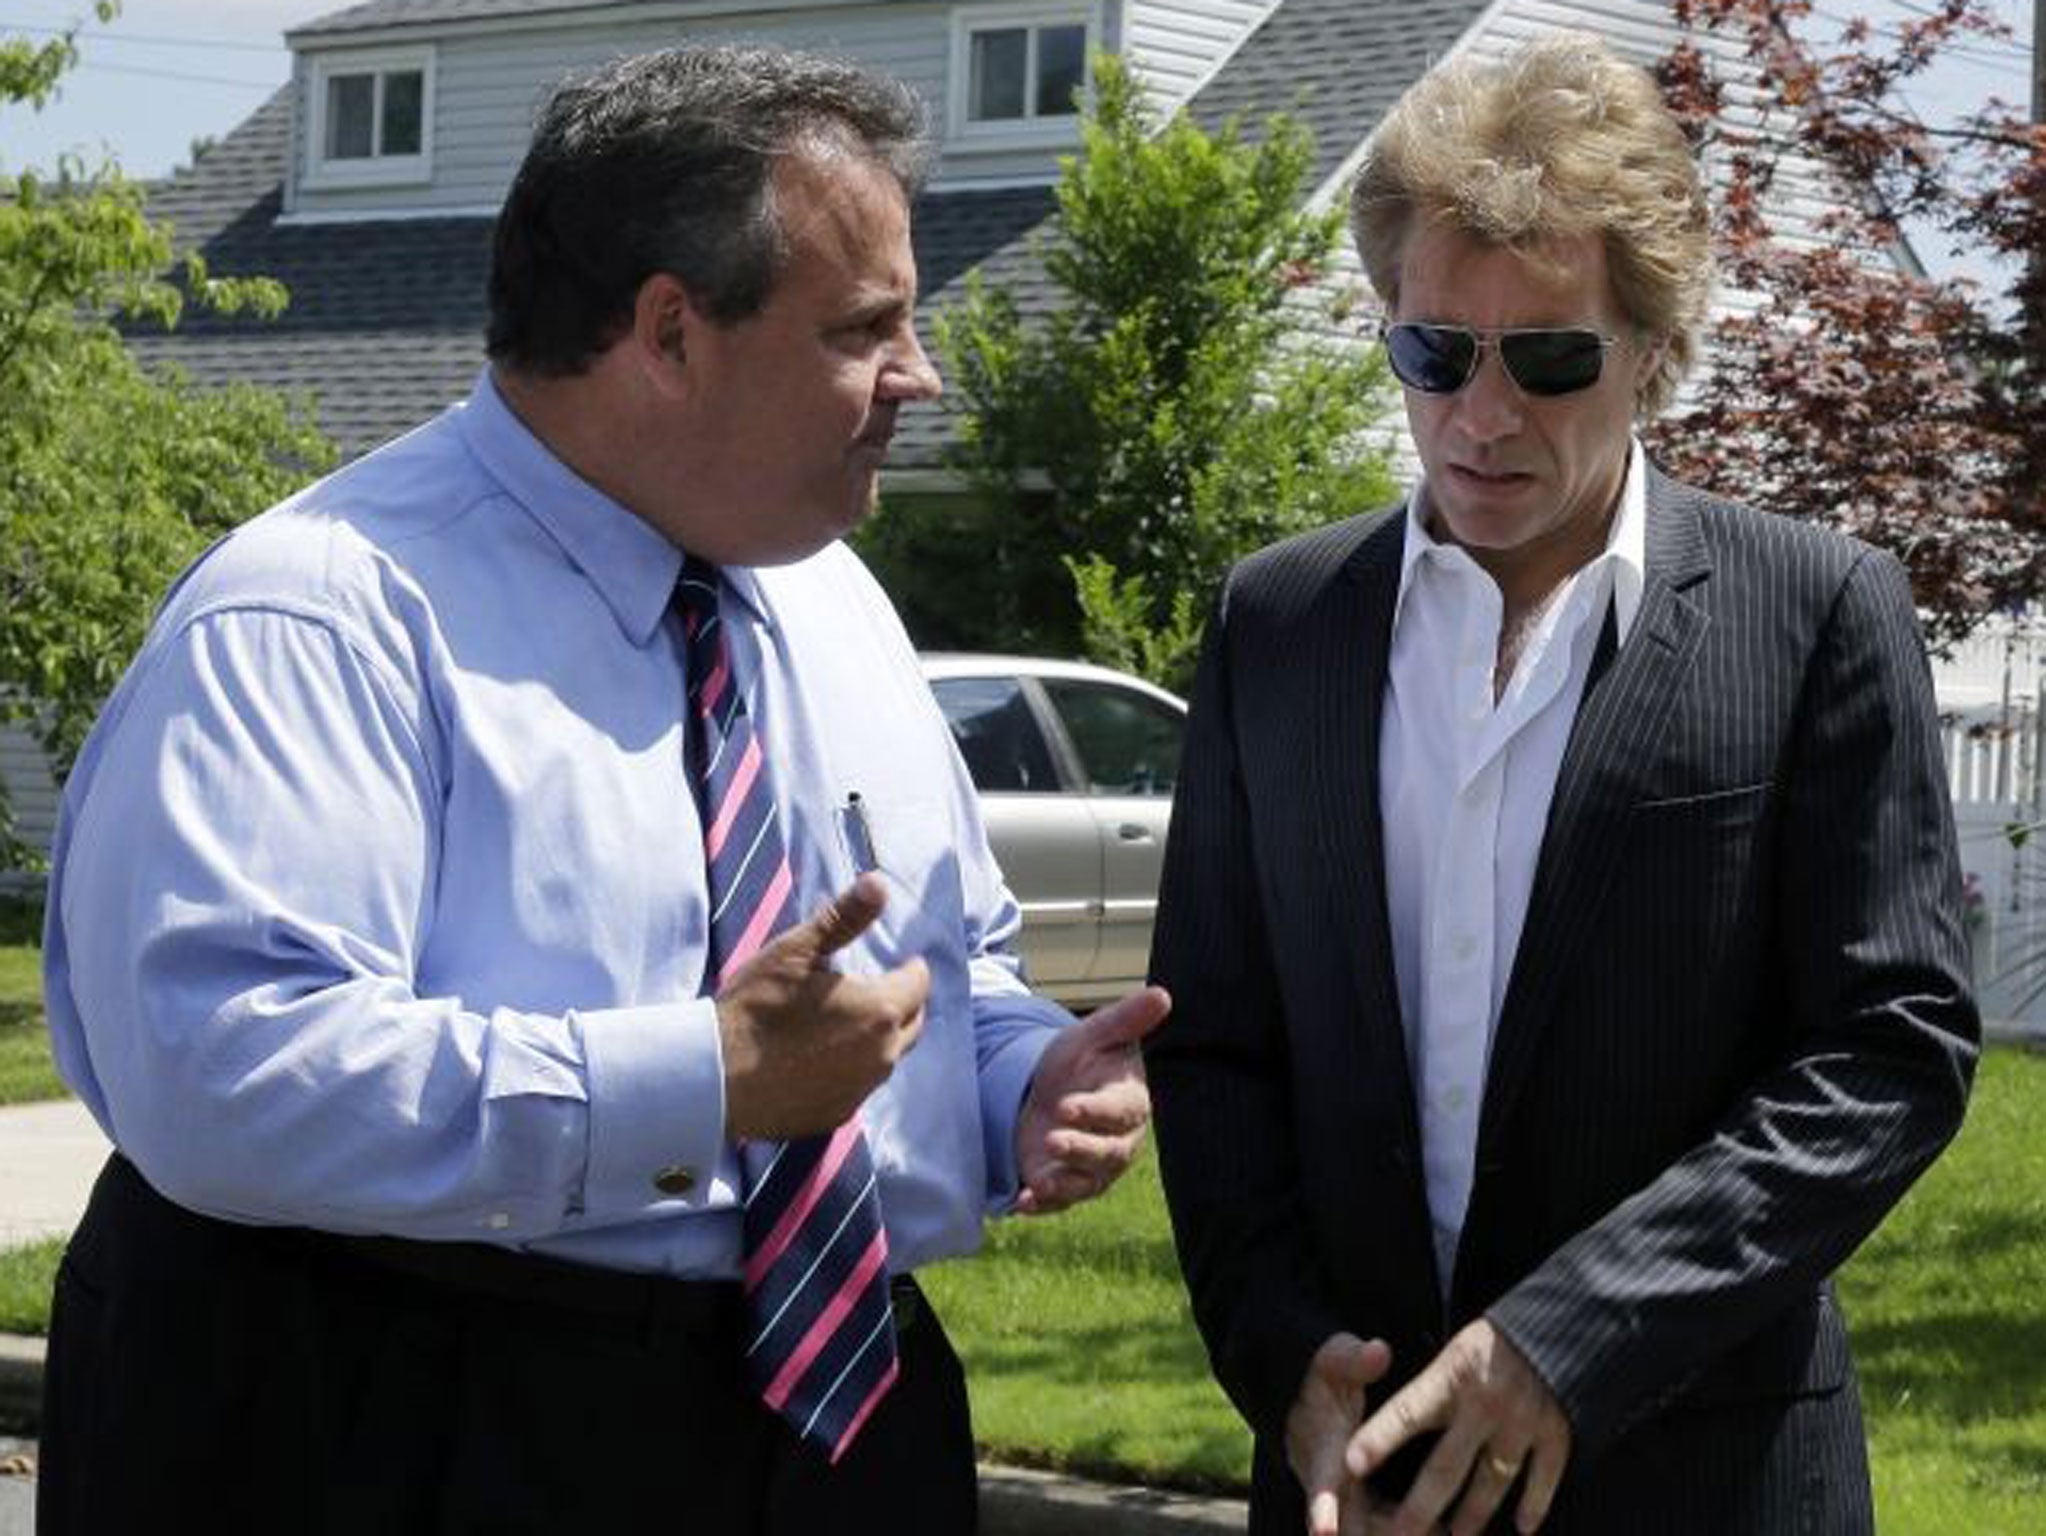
803 1045
1329 1407
1498 1419
1088 1105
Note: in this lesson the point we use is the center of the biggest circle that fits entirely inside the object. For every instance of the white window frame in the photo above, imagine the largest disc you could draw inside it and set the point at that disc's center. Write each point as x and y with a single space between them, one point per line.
322 173
1021 132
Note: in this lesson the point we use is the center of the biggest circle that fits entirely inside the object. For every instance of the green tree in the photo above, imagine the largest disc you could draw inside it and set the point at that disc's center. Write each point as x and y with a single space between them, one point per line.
111 477
1182 404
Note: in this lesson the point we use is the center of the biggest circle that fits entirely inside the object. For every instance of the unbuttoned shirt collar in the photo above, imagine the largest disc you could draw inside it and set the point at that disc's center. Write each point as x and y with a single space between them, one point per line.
628 560
1626 548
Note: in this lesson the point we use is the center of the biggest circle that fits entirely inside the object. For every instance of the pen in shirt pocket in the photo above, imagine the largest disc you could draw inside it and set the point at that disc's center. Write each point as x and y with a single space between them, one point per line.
859 834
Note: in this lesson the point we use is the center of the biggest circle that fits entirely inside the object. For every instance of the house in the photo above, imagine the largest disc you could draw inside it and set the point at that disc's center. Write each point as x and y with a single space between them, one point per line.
369 182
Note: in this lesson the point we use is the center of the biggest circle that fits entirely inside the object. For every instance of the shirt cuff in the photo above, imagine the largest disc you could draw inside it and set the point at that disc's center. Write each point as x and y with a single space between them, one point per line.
657 1106
1005 1077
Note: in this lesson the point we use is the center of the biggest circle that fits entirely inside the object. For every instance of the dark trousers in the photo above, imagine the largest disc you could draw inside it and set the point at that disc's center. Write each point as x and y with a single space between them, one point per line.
207 1375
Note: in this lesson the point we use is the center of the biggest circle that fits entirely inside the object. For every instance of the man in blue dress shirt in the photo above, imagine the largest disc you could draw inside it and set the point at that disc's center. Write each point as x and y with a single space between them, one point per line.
380 924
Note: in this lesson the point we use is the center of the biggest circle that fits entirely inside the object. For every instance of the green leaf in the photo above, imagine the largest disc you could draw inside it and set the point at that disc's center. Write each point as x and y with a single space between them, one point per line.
1166 416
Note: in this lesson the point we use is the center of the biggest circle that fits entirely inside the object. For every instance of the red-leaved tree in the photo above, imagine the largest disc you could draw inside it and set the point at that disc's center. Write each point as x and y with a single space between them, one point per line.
1906 410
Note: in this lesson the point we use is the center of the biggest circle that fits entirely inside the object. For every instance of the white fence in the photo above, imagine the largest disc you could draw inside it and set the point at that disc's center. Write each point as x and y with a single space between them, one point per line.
1993 720
2006 881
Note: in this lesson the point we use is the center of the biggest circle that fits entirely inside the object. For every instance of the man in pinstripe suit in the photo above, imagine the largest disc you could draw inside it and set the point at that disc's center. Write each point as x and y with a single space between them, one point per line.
1562 904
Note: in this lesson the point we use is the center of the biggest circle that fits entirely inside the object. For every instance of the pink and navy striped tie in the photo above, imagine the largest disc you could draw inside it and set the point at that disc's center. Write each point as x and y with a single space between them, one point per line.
822 1346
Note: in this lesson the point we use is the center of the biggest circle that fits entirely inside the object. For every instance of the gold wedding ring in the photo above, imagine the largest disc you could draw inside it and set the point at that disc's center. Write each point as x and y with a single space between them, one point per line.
1506 1471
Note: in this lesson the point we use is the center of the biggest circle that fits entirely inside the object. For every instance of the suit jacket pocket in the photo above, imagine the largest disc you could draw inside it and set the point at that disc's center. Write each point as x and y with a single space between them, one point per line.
1740 803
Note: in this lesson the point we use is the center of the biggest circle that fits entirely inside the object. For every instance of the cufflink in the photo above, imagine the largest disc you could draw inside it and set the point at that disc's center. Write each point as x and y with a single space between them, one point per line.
675 1180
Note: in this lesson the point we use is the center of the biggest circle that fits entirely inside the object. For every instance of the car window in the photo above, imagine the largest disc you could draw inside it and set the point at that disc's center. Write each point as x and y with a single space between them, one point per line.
1128 744
997 734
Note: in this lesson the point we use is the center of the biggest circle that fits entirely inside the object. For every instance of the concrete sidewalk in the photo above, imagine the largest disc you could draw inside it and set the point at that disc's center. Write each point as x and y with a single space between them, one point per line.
51 1153
49 1156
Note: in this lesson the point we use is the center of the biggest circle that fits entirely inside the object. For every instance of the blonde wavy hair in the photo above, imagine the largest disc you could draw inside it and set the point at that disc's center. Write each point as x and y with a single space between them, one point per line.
1560 138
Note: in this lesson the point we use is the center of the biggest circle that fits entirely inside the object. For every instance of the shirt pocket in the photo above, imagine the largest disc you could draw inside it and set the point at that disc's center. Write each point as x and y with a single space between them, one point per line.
908 840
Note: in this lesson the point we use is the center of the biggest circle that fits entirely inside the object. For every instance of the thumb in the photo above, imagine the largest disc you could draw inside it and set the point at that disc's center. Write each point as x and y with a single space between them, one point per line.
840 920
1128 1019
1353 1362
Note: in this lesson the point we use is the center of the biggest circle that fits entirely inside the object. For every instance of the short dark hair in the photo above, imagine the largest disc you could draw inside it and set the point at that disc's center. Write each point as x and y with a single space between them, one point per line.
663 163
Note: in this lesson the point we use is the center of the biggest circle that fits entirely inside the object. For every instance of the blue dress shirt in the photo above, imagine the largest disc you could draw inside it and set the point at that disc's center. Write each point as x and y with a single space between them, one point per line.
378 893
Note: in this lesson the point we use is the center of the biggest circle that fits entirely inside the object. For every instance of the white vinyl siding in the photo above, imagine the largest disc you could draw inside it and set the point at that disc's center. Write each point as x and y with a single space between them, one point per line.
489 85
31 793
1176 45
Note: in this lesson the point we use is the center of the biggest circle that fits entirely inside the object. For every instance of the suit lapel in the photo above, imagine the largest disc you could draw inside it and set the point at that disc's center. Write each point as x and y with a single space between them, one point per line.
1613 745
1350 651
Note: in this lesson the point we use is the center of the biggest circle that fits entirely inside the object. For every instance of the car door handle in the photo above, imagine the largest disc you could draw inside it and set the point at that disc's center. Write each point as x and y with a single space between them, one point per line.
1133 832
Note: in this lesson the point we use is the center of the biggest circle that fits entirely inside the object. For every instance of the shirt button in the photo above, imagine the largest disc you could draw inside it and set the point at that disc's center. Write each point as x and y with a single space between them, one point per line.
1464 946
1454 1100
675 1180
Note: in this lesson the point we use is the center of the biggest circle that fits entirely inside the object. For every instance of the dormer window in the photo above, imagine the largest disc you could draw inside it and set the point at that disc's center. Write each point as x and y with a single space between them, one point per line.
1017 70
369 118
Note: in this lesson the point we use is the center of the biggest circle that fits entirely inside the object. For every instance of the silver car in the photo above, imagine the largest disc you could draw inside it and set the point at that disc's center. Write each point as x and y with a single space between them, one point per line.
1075 767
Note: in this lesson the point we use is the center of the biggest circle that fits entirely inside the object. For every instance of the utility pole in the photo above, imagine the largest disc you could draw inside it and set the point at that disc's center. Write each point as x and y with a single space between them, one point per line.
2038 61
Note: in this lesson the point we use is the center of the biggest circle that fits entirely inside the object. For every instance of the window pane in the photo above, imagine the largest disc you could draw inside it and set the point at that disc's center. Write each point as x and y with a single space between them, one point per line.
1000 60
1128 744
1061 66
350 115
404 99
996 732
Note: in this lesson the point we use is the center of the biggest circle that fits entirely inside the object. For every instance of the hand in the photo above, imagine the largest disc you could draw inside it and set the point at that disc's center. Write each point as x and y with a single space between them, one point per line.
1330 1405
804 1046
1088 1105
1497 1419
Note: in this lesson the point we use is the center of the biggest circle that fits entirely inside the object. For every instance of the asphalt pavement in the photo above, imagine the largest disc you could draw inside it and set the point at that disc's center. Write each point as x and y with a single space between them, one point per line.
17 1489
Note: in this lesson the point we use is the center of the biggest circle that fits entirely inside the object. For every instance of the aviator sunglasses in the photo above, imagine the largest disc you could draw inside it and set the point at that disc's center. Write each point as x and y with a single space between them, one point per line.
1543 360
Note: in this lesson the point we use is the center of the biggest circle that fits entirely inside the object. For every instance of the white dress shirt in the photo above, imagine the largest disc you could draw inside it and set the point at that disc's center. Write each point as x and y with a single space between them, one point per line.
1464 790
378 901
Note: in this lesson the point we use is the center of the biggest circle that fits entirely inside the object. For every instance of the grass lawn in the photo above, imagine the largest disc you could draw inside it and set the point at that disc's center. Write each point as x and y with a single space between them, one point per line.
1947 1308
1080 1349
27 1275
25 1071
1080 1353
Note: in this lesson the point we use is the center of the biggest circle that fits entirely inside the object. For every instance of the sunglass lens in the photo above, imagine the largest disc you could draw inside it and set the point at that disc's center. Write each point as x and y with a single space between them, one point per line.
1435 359
1553 362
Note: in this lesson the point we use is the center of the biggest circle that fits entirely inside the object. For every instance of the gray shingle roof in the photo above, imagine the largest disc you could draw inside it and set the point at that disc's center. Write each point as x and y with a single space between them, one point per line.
1337 65
386 320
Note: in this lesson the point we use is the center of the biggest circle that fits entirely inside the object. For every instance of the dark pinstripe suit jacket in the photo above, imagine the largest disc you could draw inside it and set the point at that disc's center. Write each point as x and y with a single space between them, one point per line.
1737 1027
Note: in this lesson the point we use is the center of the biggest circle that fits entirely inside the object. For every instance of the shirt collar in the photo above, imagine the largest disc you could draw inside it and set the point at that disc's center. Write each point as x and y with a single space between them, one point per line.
1626 548
629 561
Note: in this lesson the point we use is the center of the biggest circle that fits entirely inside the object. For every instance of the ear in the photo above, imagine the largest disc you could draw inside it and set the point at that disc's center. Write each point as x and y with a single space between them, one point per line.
664 326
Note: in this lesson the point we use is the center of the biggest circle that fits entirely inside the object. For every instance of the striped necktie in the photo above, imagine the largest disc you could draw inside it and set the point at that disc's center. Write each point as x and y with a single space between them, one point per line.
821 1350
